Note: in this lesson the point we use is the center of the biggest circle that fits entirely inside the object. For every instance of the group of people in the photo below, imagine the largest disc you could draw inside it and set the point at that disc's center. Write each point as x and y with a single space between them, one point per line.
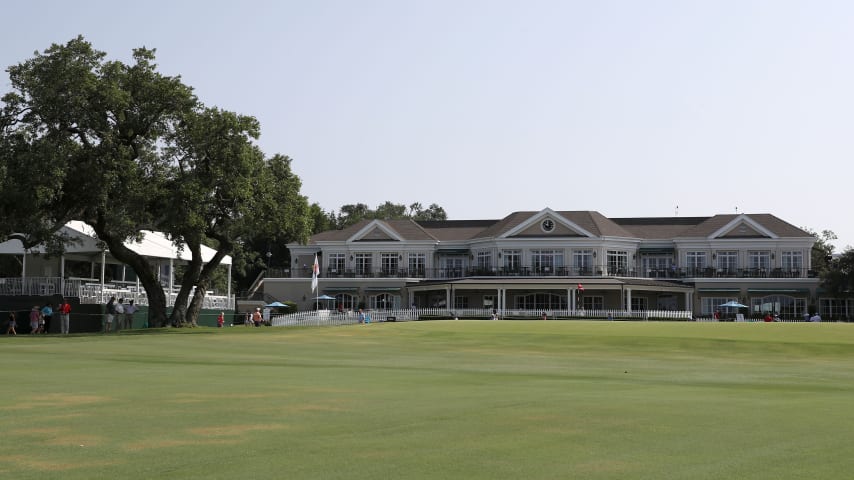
121 312
40 319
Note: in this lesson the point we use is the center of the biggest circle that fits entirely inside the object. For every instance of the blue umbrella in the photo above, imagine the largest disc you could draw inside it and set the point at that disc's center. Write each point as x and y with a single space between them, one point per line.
277 304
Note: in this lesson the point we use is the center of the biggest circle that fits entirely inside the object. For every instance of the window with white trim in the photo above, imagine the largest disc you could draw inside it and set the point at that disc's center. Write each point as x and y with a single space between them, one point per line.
484 260
546 260
792 260
695 260
591 302
389 263
512 260
582 260
337 263
417 264
759 260
364 263
618 261
727 260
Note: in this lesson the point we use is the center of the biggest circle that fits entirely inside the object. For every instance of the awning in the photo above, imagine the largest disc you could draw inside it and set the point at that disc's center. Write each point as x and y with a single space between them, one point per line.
712 290
654 251
341 289
778 290
382 289
453 251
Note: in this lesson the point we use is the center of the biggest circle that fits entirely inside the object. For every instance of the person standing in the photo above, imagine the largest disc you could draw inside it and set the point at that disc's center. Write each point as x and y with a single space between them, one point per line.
130 309
220 319
65 316
47 314
120 314
35 315
13 324
110 314
256 317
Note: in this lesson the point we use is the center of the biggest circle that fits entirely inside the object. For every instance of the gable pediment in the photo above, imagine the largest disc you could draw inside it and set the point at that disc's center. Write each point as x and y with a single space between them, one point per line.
743 227
376 231
743 230
376 235
547 223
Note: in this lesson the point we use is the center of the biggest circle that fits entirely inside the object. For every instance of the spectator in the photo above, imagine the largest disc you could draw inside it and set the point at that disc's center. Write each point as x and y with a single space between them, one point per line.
130 309
120 314
47 315
256 317
65 316
13 324
220 319
35 315
110 314
815 318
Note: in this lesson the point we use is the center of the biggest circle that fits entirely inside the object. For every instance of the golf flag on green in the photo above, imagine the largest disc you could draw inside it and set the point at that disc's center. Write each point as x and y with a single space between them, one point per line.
315 270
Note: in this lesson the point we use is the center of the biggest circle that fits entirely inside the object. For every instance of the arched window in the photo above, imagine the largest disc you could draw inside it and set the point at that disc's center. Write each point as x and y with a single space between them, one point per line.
345 301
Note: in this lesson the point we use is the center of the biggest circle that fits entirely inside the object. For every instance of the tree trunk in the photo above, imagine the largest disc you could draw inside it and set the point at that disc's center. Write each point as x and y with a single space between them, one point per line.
147 276
202 285
189 279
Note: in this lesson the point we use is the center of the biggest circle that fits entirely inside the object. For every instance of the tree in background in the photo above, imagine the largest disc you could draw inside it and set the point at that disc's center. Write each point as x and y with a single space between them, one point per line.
352 214
822 249
838 277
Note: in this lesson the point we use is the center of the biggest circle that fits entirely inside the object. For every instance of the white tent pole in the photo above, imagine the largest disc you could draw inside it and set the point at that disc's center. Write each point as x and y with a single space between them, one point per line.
24 289
228 287
62 275
103 271
171 276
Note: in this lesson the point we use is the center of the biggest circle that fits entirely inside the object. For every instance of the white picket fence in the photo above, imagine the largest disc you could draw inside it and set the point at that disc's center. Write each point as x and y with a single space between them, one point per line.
326 318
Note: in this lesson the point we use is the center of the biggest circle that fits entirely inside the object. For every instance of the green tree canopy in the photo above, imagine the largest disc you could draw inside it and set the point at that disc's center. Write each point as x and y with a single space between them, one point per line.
125 148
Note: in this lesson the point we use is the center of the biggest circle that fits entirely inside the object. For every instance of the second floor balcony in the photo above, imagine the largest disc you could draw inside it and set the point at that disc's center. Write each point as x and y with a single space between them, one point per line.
674 272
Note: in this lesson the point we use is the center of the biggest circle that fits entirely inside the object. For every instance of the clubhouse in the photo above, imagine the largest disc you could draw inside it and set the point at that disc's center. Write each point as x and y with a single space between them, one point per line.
561 262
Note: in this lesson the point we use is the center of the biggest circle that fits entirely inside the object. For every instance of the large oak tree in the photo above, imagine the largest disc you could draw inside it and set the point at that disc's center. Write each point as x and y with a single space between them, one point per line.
125 148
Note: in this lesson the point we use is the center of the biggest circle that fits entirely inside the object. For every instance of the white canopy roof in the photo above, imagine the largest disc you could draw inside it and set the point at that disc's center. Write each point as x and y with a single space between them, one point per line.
153 245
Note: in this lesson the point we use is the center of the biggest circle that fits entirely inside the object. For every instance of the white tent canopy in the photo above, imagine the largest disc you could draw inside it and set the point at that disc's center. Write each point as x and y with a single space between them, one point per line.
153 245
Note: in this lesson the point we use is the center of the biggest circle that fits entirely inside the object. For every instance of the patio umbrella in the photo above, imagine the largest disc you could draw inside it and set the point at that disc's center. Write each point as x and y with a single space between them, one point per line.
733 304
322 297
277 304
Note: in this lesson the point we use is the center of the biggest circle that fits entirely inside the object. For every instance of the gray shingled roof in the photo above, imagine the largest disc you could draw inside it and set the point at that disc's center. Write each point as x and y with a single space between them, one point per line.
594 222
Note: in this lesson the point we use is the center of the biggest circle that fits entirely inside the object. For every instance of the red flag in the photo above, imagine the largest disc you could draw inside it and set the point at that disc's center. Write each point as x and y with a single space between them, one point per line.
580 287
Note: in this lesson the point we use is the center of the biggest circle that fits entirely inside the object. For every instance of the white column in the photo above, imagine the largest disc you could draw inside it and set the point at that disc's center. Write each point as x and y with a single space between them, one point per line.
688 305
629 300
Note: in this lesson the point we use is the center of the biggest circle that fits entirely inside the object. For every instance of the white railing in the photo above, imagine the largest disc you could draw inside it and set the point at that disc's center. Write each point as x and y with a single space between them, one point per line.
326 318
90 290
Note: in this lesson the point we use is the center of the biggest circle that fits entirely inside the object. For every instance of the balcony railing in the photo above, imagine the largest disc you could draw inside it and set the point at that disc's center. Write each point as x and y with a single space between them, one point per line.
89 290
561 271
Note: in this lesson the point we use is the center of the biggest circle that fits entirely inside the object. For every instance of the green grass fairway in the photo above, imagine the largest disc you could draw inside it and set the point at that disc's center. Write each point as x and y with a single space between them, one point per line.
434 400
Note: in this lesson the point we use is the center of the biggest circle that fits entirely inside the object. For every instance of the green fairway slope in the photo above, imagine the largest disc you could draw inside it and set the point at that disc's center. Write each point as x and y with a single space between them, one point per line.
444 399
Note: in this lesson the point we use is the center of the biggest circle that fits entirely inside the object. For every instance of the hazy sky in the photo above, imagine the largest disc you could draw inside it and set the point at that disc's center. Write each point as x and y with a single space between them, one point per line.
629 108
